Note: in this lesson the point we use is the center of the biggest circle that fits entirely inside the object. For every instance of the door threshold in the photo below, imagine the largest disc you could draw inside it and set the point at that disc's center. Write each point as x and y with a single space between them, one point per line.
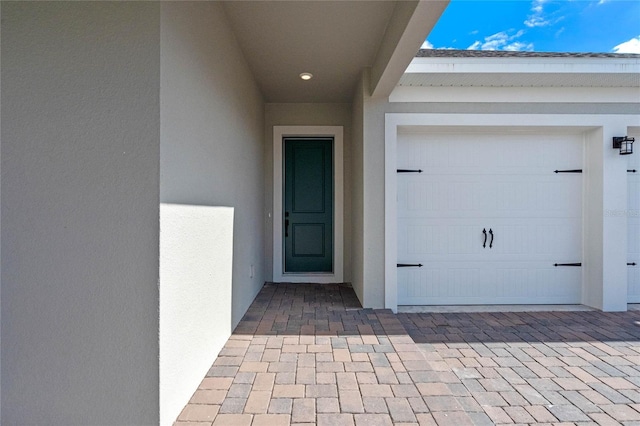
411 309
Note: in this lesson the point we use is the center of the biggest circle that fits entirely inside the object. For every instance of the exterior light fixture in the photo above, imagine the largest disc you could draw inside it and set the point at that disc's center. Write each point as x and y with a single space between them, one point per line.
306 76
624 144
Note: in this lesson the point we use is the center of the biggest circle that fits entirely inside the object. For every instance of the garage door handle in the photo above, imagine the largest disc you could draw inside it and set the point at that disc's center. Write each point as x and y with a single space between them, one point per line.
484 231
491 233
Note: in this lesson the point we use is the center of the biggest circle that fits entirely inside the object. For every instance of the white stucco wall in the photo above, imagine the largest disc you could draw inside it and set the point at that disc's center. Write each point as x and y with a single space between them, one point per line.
307 115
80 179
196 261
607 219
211 190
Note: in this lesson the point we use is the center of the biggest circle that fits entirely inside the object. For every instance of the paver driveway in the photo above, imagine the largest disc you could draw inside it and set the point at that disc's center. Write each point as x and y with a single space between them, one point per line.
308 354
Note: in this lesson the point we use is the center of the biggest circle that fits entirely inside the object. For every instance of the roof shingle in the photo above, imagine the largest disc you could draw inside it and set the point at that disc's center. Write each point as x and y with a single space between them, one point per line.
451 53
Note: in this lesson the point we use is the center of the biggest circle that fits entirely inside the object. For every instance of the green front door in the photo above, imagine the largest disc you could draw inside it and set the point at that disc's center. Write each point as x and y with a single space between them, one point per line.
308 205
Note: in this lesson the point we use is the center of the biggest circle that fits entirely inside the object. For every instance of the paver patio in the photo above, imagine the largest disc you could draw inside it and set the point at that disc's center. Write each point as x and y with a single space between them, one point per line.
308 354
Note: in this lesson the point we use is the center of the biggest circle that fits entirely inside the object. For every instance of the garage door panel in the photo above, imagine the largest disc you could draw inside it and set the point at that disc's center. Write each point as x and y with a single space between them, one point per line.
512 239
457 237
427 281
633 277
495 182
489 151
634 190
490 196
476 283
554 240
419 240
633 240
559 240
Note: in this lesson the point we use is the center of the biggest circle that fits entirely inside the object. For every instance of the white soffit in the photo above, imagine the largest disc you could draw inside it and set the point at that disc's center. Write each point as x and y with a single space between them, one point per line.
523 72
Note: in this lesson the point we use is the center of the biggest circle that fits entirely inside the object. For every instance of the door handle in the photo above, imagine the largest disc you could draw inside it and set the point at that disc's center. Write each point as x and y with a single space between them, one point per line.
286 224
491 233
484 231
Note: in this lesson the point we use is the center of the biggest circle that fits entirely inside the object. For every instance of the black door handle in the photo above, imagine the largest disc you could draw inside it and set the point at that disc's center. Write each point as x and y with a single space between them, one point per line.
491 233
484 231
286 224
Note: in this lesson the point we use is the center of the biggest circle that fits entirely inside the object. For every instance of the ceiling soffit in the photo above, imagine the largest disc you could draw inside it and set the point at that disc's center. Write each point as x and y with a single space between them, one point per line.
333 40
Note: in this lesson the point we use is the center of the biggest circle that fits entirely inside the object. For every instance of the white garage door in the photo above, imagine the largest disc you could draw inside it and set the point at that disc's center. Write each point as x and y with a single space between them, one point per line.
633 239
500 183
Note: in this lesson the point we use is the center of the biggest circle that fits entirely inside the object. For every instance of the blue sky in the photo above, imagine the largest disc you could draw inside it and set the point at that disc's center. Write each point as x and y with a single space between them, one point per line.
539 25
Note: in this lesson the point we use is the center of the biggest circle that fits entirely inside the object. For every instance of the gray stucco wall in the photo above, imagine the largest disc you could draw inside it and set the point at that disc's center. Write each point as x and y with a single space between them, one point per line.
212 124
211 190
80 194
357 192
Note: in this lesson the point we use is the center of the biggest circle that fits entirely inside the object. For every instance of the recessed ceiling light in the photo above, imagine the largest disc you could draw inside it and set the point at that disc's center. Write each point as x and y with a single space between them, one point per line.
306 76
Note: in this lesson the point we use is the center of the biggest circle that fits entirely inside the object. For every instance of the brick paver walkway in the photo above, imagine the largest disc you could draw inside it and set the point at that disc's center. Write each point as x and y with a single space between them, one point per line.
308 354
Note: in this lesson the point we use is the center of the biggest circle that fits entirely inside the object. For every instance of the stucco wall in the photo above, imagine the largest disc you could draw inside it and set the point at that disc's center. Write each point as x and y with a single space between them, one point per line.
357 192
80 185
211 190
306 115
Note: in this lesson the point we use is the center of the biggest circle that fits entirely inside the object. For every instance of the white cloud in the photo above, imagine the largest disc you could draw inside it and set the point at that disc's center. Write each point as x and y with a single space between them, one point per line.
630 46
503 40
426 45
536 18
539 17
475 46
429 45
519 47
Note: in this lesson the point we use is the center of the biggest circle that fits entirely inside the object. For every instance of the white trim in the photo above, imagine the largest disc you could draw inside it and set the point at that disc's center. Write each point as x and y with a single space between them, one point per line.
515 94
390 214
538 65
613 183
336 133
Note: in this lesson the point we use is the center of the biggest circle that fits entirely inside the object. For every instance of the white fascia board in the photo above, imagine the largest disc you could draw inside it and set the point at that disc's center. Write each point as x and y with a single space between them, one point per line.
516 94
523 65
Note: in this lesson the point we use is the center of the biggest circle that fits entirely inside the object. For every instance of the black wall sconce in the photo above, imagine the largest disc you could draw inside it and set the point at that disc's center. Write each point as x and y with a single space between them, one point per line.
624 144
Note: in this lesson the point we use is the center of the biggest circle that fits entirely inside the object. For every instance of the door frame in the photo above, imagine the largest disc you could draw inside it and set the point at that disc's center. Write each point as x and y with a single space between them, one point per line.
335 132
